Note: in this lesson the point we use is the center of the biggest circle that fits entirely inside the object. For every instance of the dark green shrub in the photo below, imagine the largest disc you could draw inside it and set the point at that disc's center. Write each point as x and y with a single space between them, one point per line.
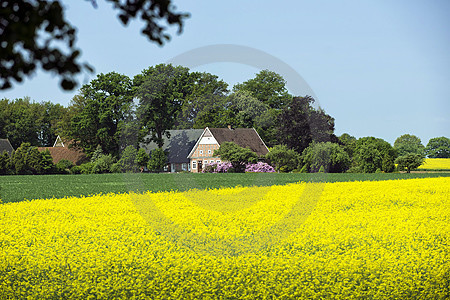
103 164
63 166
75 170
87 168
331 157
283 158
157 161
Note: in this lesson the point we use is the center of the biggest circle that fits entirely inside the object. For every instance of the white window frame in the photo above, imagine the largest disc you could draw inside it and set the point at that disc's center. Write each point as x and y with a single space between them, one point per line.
201 152
209 152
194 164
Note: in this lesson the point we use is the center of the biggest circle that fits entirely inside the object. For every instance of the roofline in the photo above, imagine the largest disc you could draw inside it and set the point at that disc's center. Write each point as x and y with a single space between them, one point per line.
261 139
58 137
198 141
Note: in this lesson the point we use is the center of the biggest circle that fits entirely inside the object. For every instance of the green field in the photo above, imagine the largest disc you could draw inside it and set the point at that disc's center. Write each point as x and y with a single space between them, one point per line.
18 188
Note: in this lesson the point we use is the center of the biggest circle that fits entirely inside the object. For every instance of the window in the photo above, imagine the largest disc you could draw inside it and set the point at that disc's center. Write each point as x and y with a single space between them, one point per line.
194 165
184 166
201 152
211 162
209 151
218 161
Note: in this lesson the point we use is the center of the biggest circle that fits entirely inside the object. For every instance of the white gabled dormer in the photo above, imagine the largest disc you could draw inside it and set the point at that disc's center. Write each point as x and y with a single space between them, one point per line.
58 142
205 139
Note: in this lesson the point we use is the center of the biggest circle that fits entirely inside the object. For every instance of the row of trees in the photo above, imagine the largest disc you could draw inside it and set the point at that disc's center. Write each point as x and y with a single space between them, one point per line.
114 111
364 155
28 160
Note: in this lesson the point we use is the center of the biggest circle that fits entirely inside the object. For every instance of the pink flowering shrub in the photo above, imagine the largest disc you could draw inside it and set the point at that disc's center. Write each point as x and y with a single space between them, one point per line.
226 167
222 167
260 167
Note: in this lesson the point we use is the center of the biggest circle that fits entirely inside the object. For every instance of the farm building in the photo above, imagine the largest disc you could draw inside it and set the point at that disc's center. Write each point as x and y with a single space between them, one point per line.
60 151
177 147
211 139
5 145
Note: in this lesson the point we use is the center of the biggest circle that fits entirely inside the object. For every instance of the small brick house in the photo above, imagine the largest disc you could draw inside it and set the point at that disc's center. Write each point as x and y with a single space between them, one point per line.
211 139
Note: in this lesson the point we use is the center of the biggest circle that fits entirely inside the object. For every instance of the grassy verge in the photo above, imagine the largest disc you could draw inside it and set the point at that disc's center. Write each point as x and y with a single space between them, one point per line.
19 188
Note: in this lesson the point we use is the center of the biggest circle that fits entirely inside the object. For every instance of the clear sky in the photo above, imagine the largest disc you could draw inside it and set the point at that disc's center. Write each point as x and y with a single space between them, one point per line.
380 68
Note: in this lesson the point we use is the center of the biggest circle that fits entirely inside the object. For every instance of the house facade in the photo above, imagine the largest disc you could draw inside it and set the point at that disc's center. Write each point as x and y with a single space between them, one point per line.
211 139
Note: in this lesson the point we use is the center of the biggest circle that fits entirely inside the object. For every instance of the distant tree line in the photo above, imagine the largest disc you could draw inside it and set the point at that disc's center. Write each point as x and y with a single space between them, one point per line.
113 114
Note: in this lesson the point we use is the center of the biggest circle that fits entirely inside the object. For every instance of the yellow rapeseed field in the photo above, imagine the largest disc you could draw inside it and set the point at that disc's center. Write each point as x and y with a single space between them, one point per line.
348 240
436 164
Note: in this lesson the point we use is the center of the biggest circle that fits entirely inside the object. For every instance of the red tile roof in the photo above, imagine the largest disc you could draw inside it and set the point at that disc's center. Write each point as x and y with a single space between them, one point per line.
74 155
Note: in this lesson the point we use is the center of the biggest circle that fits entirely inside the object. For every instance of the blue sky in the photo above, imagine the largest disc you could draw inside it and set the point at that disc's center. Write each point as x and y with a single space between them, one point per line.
380 68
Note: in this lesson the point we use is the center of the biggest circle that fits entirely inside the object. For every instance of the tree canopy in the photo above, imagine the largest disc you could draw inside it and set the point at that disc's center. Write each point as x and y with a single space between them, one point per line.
438 147
408 143
268 87
299 124
330 157
161 91
409 161
36 34
102 111
372 154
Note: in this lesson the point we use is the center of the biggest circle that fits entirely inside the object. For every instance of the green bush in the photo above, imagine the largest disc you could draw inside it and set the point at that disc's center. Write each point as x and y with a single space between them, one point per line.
374 153
87 168
282 158
116 168
127 161
142 158
27 160
157 161
409 161
75 170
328 156
5 163
64 166
103 164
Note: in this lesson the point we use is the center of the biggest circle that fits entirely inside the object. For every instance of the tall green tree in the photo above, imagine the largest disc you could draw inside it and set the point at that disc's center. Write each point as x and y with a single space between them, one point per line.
409 161
268 87
101 113
23 120
330 157
348 142
157 161
373 153
20 121
438 147
299 124
408 143
205 104
244 109
161 91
